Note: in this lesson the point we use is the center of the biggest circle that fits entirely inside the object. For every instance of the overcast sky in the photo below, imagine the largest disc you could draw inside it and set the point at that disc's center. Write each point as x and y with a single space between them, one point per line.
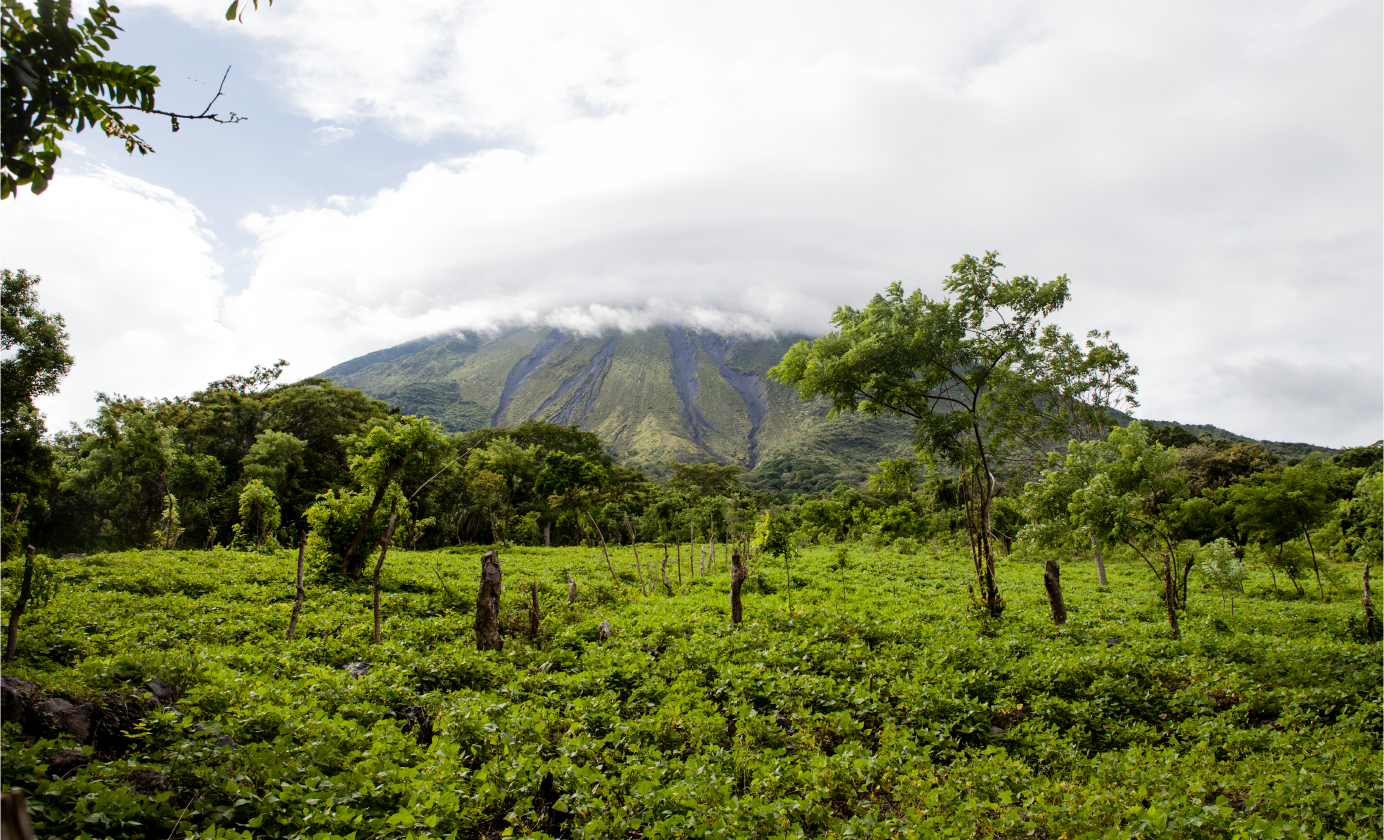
1207 174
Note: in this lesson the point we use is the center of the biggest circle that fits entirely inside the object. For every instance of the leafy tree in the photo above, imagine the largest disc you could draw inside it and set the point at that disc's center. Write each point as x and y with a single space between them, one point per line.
1174 437
1124 489
895 479
55 81
124 464
985 381
699 480
1214 465
773 537
275 460
1221 564
1279 506
379 456
34 344
259 514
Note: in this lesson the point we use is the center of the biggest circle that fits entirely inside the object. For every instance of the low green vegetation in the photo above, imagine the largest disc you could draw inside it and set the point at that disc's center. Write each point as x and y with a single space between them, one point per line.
884 704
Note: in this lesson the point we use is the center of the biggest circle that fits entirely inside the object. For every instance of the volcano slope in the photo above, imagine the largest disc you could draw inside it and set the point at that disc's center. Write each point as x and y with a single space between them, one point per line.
667 393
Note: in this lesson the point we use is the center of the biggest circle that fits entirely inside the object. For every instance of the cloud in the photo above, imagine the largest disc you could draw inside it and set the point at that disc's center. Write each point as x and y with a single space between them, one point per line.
328 134
1208 176
128 265
1339 404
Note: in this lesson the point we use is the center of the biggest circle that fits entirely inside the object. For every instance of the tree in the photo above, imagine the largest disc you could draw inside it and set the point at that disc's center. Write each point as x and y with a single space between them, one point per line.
773 537
1124 489
986 382
378 456
895 479
1282 505
55 81
259 514
34 344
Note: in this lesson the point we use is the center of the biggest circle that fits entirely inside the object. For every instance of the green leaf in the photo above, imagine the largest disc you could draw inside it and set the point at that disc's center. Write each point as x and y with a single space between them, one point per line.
230 12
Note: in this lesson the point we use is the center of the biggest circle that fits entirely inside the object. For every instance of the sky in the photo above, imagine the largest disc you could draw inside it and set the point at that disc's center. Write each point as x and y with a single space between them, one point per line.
1208 176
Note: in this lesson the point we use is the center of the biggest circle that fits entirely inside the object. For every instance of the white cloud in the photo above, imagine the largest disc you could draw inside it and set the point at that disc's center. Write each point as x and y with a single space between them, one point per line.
128 265
328 134
1208 175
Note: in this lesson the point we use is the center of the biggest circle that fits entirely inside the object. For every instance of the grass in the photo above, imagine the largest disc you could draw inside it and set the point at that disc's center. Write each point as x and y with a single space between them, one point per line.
882 706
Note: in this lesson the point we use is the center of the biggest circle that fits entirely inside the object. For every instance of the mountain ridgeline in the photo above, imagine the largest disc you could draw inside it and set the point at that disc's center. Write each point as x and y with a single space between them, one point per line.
663 394
667 393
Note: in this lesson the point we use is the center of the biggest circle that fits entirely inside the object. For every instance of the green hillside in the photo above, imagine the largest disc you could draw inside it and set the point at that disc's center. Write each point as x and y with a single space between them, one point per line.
667 393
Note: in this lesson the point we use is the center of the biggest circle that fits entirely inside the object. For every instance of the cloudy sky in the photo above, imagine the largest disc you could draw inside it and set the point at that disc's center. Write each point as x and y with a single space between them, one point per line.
1207 174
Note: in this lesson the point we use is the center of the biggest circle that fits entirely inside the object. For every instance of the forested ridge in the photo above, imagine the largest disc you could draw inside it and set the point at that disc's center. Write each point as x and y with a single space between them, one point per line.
279 608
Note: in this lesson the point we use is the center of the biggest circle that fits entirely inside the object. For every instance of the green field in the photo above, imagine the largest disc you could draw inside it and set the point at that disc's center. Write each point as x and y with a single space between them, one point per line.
880 706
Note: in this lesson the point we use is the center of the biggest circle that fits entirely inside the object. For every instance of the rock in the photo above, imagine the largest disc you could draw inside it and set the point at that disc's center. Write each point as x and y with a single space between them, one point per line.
356 669
73 556
1109 643
226 742
62 716
63 763
603 631
164 692
17 696
416 719
995 730
147 781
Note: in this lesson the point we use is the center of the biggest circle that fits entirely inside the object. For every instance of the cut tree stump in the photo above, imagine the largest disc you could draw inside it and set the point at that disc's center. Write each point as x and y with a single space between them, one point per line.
488 604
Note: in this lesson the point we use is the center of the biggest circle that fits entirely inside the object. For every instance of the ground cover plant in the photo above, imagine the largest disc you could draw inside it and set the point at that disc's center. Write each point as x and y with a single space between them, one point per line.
884 704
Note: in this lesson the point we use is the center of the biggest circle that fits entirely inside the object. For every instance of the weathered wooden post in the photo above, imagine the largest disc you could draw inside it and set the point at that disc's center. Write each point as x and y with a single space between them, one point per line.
301 594
1052 581
666 585
1100 562
379 567
571 590
737 577
1170 596
534 615
637 567
488 604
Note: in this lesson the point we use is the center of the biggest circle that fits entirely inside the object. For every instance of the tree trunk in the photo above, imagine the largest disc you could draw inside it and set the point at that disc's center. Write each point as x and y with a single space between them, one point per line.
26 590
1052 582
638 567
301 593
350 566
609 564
534 615
379 567
548 534
977 528
1170 597
666 585
1320 590
488 604
679 564
737 577
1100 562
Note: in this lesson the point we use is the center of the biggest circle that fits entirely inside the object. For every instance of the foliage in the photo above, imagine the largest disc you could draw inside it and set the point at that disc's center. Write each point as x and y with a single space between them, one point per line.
984 380
875 710
34 346
259 515
1221 564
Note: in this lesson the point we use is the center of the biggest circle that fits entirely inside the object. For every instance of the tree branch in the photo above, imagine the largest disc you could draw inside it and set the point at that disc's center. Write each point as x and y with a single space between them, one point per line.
205 115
